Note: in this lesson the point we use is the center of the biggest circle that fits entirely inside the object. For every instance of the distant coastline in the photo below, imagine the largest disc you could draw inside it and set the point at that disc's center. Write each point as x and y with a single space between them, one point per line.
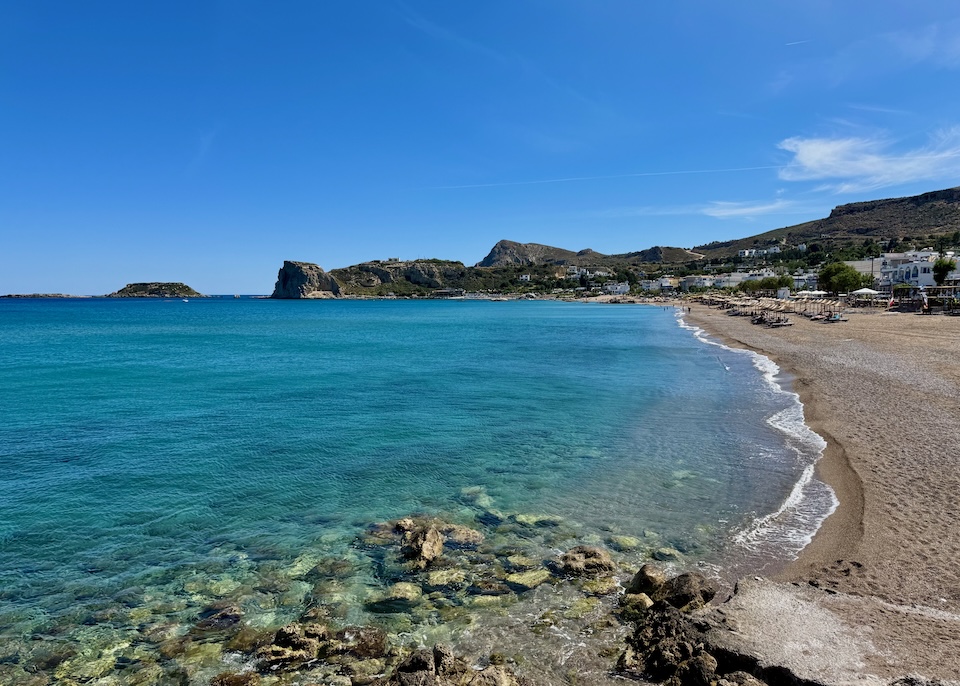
43 295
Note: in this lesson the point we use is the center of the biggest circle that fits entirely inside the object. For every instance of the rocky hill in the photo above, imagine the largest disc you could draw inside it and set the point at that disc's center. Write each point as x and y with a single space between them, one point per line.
298 280
156 290
509 253
431 274
911 218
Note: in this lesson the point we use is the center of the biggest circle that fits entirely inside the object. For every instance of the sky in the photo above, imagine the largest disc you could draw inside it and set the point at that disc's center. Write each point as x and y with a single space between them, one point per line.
208 141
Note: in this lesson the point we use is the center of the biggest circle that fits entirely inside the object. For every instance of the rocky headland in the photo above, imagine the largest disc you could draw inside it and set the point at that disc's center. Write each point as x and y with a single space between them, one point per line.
298 280
156 290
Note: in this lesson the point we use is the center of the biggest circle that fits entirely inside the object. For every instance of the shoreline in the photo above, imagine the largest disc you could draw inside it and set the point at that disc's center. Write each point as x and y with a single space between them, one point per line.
841 530
882 391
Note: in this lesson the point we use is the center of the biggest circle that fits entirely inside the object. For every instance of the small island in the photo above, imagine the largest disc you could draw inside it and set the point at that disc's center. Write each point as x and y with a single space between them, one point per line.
156 290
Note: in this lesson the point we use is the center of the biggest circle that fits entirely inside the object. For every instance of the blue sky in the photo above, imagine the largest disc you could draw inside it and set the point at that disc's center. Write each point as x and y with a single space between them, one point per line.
206 142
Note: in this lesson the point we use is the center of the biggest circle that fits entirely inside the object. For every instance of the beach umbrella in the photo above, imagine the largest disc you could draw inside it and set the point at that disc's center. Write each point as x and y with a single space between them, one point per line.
865 291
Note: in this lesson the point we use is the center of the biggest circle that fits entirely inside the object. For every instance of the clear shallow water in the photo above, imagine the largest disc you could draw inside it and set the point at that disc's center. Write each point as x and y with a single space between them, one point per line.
156 456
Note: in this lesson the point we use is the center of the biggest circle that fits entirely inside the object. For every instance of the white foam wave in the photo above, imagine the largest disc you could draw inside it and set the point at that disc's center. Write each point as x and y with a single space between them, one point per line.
793 525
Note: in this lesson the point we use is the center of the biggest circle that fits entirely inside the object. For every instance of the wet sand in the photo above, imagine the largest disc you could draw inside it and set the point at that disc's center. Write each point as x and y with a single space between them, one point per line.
884 390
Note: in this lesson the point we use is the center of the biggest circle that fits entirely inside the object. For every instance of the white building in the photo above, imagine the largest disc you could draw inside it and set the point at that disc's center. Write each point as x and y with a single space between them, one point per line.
728 280
914 267
665 283
805 280
696 281
615 288
759 274
524 277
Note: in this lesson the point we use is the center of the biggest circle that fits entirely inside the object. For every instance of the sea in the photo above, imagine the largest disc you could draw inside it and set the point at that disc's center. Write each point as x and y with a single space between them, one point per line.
161 460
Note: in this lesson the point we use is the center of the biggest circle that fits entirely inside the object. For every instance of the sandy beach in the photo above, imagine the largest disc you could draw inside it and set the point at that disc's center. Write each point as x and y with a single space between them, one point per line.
884 390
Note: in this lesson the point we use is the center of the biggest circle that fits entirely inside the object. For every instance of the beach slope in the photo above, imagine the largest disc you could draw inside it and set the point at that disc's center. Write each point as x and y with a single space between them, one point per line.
884 390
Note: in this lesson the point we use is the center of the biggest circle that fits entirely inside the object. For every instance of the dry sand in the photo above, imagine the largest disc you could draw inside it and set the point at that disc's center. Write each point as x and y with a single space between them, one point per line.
884 390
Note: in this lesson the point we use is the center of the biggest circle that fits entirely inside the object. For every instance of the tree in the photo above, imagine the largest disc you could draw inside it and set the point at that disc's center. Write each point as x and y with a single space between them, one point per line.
941 268
838 277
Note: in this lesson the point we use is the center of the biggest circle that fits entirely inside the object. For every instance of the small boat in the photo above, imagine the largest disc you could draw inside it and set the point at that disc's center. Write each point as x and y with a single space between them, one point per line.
185 300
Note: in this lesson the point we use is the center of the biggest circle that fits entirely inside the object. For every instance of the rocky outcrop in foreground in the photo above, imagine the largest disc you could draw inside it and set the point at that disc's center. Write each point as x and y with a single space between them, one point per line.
298 280
771 633
156 290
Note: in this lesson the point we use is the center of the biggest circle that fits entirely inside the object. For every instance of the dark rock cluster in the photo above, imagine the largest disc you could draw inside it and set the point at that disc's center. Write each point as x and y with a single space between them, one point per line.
666 647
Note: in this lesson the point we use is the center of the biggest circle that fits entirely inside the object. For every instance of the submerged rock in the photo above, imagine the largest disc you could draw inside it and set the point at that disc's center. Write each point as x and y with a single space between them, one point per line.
362 641
293 646
623 543
535 520
585 560
521 562
440 667
462 536
600 586
525 581
476 495
400 597
489 587
447 578
233 679
581 608
218 616
330 568
667 555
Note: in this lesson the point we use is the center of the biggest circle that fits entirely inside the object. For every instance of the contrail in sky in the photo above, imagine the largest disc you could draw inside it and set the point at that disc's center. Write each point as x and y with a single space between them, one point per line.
597 178
798 42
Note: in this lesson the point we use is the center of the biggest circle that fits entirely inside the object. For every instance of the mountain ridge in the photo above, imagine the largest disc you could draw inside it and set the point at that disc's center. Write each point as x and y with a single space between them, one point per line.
511 265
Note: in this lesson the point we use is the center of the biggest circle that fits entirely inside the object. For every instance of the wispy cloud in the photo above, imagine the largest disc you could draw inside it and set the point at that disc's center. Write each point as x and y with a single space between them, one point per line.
649 211
936 43
858 164
717 209
204 146
877 109
880 55
445 35
725 210
569 179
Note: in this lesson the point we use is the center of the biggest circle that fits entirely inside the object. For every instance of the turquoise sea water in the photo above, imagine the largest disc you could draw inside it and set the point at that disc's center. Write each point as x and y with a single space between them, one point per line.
157 456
